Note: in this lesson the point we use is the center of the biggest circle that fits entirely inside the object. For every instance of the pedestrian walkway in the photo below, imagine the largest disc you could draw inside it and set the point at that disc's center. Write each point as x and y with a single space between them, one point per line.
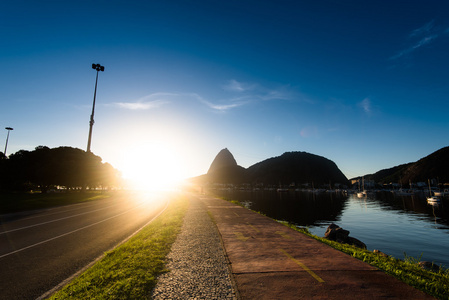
272 261
268 261
197 262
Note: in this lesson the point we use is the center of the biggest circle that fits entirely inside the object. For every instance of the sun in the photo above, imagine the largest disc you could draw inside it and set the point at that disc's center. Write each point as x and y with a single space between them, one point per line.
152 166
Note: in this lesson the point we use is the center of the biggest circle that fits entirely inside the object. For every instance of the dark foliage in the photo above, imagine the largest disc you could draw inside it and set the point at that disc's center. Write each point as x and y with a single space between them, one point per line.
45 168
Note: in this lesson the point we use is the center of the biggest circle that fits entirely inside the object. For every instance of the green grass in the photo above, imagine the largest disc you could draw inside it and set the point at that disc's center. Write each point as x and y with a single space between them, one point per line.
11 202
130 271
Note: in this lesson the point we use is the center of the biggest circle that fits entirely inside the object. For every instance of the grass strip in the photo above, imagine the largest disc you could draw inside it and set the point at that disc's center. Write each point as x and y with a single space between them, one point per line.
16 202
130 271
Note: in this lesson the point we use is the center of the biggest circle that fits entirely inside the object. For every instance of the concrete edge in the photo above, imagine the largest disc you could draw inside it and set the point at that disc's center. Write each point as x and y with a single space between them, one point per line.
231 274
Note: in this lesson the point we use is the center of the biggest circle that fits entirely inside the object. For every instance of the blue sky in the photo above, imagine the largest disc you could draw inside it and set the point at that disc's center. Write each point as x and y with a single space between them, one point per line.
363 83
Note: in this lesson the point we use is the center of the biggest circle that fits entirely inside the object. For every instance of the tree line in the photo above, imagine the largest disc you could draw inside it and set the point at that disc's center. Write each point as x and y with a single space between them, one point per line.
45 169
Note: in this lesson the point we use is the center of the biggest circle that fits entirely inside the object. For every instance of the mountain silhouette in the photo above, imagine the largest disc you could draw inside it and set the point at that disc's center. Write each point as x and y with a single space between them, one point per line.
433 166
224 158
303 167
224 169
290 167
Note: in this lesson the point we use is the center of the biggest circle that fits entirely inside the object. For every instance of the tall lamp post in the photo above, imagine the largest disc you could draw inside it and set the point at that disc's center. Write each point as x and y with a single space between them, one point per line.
7 138
97 67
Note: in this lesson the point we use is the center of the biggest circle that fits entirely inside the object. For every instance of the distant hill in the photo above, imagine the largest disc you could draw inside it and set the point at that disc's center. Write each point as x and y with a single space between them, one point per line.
297 167
433 166
388 175
290 167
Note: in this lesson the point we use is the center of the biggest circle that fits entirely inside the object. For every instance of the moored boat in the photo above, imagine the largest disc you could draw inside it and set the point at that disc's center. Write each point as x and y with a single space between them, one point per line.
361 194
433 200
441 193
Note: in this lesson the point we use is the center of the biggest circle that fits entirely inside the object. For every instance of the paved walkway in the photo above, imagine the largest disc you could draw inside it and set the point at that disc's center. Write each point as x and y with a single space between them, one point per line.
198 266
269 261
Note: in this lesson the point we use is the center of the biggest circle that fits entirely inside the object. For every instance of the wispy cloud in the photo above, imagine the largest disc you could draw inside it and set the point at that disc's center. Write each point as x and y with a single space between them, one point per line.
235 86
420 37
423 30
257 91
309 131
141 105
222 107
277 94
365 104
237 94
151 101
240 93
424 41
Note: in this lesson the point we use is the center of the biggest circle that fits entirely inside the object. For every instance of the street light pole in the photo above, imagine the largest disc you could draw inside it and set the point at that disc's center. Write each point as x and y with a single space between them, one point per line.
7 138
97 67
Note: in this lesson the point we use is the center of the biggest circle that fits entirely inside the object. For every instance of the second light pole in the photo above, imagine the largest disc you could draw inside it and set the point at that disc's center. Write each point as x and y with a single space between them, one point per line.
97 67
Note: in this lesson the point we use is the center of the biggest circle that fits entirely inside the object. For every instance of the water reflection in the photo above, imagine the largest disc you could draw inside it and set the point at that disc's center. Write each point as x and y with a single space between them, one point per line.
308 209
416 204
300 208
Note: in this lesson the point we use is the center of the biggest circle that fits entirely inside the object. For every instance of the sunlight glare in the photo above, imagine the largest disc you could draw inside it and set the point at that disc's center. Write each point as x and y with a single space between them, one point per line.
152 166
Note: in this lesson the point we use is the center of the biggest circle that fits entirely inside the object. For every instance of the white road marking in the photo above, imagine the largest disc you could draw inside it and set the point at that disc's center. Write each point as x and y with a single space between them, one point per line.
67 233
55 220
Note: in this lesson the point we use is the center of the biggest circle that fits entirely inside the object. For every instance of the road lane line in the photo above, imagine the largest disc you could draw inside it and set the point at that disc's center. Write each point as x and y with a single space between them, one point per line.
240 236
253 227
318 278
67 233
284 235
46 212
76 274
55 220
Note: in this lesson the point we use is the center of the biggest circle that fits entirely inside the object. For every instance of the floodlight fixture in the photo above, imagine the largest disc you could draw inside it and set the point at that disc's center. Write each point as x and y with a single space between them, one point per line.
98 67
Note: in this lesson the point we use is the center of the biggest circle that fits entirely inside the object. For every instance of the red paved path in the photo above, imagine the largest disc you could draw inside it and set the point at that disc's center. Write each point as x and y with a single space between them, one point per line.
272 261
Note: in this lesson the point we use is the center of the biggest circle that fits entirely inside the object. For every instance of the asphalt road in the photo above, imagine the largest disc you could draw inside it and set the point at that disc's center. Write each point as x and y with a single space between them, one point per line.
40 249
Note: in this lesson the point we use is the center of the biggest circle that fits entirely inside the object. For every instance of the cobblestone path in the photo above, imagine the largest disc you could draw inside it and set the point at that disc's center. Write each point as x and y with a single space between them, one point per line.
198 266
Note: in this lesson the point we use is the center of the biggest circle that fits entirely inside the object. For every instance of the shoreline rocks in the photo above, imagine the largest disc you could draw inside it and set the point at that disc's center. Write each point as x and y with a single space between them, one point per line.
338 234
378 252
430 266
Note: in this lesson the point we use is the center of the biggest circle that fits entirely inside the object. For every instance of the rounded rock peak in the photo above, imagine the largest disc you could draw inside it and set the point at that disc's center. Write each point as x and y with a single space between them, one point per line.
224 158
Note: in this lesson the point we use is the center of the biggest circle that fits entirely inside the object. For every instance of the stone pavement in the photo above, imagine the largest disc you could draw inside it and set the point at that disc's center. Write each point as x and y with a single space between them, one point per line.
268 261
198 266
